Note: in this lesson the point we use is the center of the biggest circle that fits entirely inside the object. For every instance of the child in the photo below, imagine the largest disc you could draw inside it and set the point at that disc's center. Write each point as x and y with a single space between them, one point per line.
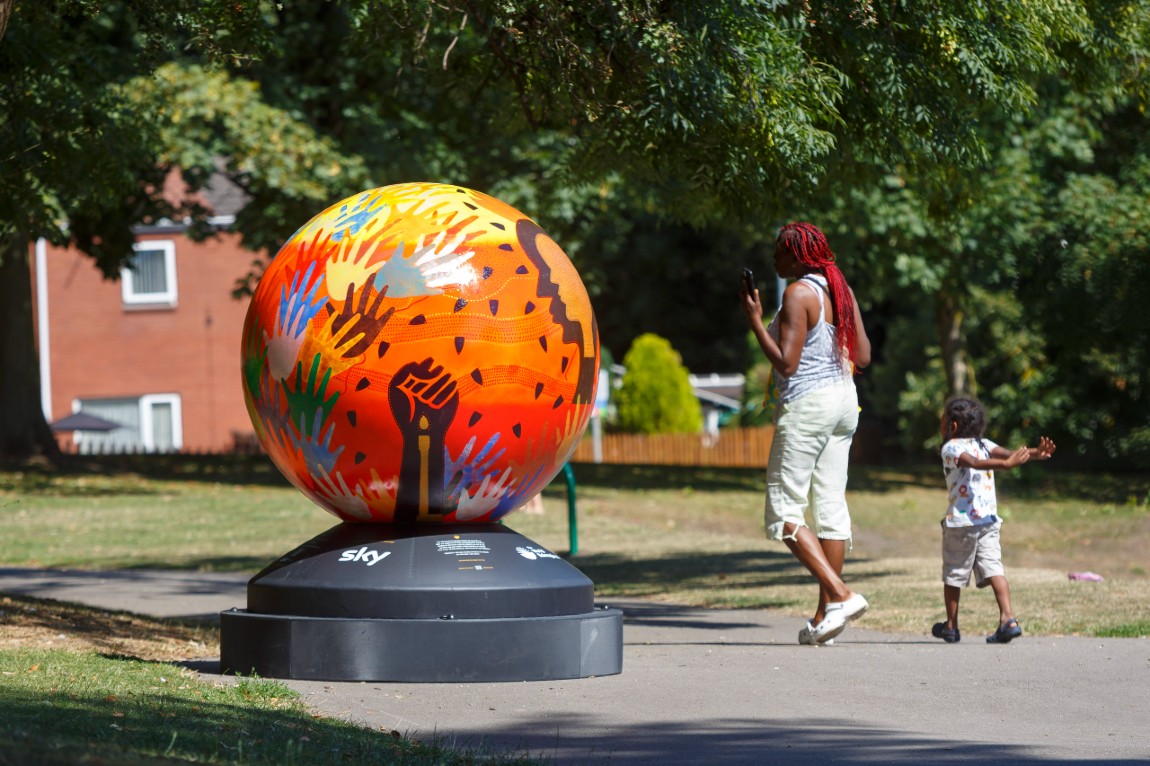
970 539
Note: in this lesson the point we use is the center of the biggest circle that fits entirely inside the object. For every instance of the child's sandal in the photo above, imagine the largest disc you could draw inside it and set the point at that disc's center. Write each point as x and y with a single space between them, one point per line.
949 635
1005 633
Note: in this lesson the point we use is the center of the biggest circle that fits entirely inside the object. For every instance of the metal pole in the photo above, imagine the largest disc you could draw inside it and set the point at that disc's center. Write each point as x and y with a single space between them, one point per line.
572 519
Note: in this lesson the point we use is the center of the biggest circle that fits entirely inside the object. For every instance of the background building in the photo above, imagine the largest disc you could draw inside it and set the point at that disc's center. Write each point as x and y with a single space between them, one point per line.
158 352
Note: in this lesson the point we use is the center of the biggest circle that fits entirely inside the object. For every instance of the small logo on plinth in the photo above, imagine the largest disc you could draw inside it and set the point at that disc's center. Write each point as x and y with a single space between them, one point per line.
532 553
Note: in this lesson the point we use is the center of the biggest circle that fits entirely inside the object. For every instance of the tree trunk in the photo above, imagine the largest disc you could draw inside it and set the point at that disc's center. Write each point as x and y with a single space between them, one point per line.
6 7
954 360
24 432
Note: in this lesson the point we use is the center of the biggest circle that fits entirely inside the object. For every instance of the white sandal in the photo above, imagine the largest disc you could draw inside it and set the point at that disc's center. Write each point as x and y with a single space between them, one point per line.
806 637
838 614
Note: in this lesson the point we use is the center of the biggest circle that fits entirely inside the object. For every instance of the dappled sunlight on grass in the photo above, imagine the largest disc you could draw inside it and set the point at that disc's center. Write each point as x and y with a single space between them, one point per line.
684 535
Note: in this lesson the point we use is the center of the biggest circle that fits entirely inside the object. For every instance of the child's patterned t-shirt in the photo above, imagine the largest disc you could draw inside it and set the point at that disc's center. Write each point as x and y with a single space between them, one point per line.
971 499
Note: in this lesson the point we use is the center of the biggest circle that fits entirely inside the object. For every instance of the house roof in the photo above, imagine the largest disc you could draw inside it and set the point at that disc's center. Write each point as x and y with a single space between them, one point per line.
223 197
721 390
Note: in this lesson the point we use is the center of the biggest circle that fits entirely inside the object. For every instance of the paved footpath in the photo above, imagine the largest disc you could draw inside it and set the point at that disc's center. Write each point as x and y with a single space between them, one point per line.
706 687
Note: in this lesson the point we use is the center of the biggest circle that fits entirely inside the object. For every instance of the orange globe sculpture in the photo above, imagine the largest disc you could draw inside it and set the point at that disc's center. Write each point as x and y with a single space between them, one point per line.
420 353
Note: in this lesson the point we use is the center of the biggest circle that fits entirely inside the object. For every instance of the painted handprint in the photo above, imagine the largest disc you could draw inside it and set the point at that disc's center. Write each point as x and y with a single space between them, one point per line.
310 399
433 261
296 309
338 495
356 214
352 265
273 413
466 471
255 356
485 500
567 437
519 492
380 495
423 400
332 347
432 265
363 322
314 444
538 457
375 502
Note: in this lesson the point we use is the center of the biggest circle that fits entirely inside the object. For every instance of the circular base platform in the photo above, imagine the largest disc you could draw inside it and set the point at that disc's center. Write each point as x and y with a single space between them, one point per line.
427 603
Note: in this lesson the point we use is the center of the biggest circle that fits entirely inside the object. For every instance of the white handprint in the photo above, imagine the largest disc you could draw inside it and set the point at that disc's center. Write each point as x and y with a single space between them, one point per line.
484 501
351 502
431 258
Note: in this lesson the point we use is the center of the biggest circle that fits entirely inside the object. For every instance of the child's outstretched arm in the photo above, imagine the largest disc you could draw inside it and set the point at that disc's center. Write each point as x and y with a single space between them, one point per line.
1000 457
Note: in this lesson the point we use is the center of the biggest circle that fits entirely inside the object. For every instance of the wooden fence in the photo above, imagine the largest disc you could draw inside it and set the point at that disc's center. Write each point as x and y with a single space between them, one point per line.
731 447
734 447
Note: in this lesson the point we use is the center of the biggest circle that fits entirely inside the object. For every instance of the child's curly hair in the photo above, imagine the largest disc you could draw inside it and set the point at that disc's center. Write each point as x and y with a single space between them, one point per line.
968 413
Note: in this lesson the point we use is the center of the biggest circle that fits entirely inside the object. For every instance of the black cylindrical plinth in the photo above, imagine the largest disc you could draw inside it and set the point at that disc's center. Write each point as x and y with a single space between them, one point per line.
421 603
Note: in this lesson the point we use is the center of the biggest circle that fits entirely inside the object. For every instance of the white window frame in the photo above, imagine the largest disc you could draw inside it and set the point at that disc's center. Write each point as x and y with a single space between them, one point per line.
147 429
147 432
169 297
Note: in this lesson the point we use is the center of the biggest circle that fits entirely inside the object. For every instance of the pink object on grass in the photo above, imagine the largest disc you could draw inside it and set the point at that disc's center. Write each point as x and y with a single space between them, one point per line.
1085 576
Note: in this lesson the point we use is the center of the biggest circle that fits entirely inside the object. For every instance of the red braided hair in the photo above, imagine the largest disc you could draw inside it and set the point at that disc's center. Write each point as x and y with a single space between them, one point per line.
809 246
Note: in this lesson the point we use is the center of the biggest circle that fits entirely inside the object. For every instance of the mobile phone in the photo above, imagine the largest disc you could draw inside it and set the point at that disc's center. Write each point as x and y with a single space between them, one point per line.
749 281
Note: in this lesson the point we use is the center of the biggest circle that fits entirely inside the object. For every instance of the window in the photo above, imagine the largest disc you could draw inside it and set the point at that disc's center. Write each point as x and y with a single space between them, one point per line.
150 423
149 278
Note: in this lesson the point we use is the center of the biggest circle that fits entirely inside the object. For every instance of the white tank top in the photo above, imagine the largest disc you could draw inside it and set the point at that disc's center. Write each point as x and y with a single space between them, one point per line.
821 362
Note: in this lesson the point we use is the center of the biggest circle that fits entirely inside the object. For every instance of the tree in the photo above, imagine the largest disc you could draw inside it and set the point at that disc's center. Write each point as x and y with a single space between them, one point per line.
86 153
656 396
74 160
1086 286
1044 273
736 108
707 111
668 278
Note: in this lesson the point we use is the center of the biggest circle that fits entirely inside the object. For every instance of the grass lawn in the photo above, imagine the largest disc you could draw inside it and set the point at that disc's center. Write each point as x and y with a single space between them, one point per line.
65 708
690 536
81 685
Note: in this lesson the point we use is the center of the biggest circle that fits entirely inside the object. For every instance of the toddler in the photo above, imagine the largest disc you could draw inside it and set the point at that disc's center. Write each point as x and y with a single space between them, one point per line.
970 531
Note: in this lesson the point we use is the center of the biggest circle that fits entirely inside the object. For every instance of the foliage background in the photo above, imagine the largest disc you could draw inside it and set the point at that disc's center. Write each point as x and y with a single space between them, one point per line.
981 169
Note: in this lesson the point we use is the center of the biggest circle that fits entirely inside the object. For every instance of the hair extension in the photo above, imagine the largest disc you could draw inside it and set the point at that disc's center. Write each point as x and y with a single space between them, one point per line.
968 413
809 246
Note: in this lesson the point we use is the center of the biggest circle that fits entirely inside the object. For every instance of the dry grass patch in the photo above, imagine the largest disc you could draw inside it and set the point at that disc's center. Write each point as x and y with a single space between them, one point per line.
30 623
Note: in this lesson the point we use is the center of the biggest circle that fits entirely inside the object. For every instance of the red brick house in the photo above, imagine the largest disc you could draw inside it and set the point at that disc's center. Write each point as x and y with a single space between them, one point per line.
158 352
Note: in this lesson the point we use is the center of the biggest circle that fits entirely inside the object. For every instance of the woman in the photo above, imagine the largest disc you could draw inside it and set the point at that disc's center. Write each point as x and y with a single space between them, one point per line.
814 344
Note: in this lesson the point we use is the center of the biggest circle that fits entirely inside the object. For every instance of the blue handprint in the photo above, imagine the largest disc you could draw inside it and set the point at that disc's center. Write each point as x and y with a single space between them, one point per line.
297 308
316 447
467 471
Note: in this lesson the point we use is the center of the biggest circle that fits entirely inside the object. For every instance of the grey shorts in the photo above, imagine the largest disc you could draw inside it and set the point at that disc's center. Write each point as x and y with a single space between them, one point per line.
971 550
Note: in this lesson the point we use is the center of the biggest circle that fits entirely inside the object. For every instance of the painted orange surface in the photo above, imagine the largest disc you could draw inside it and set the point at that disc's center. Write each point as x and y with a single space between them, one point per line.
420 352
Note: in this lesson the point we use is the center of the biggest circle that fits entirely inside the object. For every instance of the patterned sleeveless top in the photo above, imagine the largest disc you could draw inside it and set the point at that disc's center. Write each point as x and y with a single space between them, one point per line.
821 362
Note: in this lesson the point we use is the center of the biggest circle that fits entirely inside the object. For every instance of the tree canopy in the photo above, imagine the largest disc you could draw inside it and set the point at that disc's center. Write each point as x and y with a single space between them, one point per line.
605 119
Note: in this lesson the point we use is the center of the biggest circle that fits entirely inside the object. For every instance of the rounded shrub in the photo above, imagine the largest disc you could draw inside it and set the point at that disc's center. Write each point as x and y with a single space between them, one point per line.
655 396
